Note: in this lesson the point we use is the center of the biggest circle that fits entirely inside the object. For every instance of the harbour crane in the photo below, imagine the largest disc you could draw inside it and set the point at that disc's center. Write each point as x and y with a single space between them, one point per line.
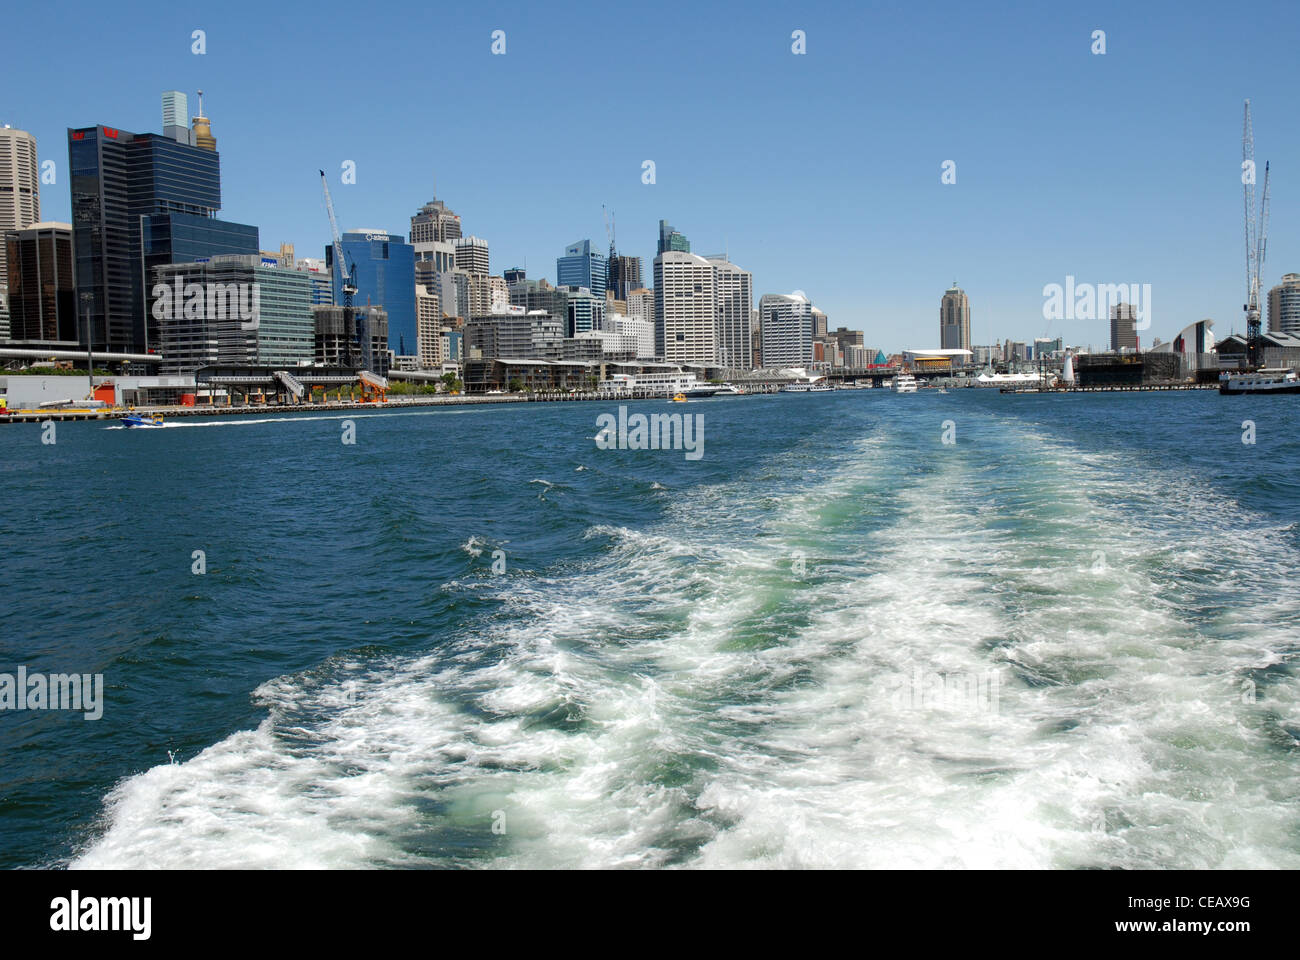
1256 239
358 346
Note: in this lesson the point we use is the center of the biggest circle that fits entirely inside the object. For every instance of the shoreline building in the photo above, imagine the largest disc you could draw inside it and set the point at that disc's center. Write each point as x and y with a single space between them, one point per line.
685 308
786 322
20 200
1284 306
954 319
42 285
733 311
232 310
141 201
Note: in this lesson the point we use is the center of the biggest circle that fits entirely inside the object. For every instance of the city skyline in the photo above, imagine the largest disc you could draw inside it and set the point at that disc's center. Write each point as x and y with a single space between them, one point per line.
873 233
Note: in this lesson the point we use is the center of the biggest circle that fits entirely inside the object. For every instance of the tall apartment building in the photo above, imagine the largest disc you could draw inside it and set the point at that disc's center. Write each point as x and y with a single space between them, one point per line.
582 266
428 328
1123 327
20 199
954 319
787 325
42 288
685 308
140 201
472 255
1284 306
734 304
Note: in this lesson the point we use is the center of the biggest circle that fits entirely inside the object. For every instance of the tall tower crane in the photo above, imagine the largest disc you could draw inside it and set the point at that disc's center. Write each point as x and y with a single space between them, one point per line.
1256 238
359 345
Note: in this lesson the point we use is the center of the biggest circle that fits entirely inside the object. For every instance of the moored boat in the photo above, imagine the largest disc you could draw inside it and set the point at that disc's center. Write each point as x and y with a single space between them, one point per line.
1268 380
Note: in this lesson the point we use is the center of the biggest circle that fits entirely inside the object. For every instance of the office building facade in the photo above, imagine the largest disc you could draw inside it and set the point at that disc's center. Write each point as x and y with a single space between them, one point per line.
734 304
582 266
1123 328
787 325
383 271
1284 306
140 201
20 199
954 320
472 255
685 308
624 275
42 286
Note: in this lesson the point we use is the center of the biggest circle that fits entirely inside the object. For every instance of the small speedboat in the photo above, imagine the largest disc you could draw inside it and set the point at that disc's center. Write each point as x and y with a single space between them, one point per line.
679 398
142 420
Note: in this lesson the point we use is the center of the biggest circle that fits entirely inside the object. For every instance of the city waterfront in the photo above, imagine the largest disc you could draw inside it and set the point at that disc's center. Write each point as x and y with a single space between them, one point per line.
937 630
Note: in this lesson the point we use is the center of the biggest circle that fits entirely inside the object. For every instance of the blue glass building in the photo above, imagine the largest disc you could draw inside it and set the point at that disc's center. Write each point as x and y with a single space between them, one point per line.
383 271
141 201
582 267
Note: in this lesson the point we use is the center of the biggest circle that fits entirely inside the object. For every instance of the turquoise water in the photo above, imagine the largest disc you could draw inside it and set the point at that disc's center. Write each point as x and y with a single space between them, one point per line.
1068 639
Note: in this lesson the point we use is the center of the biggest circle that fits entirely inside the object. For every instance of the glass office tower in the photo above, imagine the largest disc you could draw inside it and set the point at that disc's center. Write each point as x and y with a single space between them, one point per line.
140 201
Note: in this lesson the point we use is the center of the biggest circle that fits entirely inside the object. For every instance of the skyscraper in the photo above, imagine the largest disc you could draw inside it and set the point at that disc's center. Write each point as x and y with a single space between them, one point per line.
1284 306
581 266
435 222
624 275
734 304
141 201
176 117
42 289
685 308
471 255
787 325
671 240
1123 327
954 320
383 270
20 199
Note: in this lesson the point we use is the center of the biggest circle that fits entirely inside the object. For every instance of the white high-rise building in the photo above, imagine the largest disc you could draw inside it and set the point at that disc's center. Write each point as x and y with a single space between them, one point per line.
20 200
734 299
685 308
1284 306
787 324
428 328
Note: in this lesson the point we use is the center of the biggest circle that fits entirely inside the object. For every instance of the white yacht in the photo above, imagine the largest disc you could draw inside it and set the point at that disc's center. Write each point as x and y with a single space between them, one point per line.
1268 380
666 384
905 383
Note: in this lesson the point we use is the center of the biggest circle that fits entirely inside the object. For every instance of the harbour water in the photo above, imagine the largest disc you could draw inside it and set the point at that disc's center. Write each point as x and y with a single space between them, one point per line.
473 638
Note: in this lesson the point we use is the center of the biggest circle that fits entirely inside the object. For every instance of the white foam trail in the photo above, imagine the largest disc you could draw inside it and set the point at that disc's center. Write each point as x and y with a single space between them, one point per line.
691 699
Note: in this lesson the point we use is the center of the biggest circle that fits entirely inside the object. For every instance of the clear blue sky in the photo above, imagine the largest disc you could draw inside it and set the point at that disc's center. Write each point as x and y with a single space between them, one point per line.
818 172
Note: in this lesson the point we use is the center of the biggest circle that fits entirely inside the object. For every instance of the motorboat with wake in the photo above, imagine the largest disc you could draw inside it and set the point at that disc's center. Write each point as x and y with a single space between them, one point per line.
142 420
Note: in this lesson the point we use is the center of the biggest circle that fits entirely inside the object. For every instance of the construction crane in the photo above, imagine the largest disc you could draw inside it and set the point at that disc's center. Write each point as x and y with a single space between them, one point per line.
358 347
1256 239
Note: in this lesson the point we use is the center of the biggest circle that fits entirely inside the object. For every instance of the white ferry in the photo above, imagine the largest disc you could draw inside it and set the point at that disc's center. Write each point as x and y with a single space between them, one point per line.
658 384
1268 380
905 383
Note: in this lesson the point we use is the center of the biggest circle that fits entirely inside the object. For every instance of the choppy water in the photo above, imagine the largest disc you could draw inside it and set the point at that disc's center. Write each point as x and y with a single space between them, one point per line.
707 663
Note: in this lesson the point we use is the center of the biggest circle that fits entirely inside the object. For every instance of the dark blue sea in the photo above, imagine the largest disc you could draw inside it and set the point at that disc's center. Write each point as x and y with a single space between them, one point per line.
1066 638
